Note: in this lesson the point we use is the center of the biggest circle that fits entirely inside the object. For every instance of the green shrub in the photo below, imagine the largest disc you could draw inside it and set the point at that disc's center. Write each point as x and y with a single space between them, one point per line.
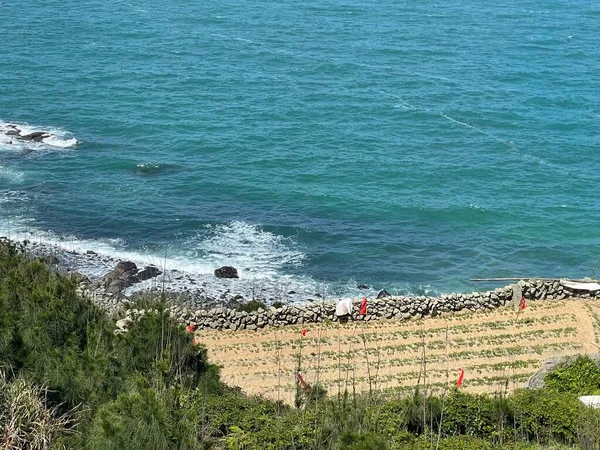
367 441
246 422
46 327
250 306
469 414
588 428
545 415
582 377
144 418
156 343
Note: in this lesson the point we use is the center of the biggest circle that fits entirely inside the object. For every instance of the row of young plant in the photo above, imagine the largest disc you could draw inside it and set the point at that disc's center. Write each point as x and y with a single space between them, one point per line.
67 380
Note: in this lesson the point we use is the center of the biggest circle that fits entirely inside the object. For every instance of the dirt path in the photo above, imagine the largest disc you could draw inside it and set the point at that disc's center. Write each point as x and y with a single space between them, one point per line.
497 349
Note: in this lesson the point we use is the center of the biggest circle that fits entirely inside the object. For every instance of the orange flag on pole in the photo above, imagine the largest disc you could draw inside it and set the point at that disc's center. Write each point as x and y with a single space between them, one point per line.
461 378
304 332
522 305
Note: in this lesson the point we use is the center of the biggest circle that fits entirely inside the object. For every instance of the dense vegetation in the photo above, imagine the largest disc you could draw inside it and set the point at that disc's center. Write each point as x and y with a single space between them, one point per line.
69 380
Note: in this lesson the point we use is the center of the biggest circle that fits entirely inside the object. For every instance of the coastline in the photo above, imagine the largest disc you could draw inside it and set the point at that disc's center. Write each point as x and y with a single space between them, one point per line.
212 303
195 290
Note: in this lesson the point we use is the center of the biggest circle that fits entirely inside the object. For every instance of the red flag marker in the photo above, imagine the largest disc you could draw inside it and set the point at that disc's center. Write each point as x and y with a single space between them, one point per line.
363 307
304 332
522 305
461 378
301 380
191 328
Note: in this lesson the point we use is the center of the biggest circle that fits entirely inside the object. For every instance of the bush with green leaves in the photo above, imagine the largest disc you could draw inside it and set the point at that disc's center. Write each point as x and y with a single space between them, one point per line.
144 417
588 428
150 387
545 415
251 306
581 377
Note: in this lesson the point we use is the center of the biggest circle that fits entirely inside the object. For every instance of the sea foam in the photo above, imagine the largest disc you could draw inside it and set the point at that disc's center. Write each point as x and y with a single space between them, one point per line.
56 139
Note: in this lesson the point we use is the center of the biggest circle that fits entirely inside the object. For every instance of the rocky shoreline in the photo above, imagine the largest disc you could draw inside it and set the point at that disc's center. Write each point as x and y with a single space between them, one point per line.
112 291
389 307
112 281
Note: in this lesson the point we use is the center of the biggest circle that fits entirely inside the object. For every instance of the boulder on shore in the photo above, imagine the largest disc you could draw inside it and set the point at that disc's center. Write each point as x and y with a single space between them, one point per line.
122 276
226 272
383 294
147 273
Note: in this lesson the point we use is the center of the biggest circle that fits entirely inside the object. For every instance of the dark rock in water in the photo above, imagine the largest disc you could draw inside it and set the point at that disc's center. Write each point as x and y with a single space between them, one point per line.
291 292
36 136
318 295
91 252
383 294
148 272
362 286
226 272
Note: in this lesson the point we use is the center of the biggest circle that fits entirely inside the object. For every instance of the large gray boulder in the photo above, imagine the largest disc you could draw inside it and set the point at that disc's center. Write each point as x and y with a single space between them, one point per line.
122 276
147 273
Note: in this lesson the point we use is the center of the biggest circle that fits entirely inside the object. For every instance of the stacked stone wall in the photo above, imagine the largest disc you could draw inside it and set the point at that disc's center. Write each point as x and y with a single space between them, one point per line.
394 307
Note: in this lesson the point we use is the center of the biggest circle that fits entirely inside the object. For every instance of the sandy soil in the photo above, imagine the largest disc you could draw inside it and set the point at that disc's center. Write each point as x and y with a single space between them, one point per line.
497 349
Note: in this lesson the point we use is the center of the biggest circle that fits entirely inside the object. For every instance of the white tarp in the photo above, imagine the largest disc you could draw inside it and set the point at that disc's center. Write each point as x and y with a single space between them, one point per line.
592 401
580 286
343 307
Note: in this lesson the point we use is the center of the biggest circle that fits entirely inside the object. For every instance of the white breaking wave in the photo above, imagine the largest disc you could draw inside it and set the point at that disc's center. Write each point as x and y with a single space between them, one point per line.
55 141
254 252
257 254
18 137
260 256
245 246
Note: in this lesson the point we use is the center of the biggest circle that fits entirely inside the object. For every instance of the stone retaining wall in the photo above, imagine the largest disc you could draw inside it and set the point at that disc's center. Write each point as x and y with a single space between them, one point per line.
404 308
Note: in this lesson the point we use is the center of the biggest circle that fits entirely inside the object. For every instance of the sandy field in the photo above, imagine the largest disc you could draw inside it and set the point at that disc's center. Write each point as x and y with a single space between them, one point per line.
498 350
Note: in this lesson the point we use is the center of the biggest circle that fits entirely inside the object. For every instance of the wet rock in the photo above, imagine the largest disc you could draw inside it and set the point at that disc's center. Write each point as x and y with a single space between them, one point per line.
36 136
147 273
122 276
362 287
226 272
124 268
383 294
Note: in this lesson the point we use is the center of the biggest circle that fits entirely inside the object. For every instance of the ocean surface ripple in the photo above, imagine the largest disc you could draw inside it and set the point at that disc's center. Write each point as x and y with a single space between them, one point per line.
405 145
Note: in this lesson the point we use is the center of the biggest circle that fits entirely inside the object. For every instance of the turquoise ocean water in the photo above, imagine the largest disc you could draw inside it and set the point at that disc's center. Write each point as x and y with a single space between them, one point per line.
404 145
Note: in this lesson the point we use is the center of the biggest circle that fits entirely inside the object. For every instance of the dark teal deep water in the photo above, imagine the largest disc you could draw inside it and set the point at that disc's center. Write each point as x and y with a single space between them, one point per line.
408 145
